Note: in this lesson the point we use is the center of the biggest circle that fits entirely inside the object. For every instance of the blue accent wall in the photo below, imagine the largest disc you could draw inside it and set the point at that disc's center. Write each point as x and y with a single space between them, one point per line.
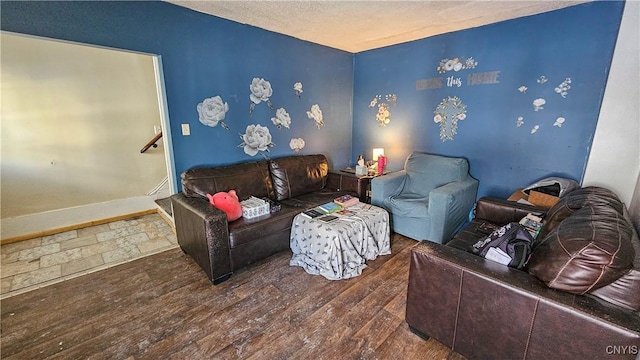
575 42
204 56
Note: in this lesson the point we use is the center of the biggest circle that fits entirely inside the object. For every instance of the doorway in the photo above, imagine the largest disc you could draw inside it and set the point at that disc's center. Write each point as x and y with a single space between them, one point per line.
74 118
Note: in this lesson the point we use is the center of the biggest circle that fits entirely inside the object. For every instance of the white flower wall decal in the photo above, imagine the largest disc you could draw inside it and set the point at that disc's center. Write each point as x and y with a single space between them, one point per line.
212 111
316 115
297 89
456 64
256 138
538 104
563 88
296 144
260 91
281 119
559 121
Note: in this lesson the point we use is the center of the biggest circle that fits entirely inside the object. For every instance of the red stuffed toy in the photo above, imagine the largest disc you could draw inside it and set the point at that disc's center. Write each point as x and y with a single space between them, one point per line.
227 202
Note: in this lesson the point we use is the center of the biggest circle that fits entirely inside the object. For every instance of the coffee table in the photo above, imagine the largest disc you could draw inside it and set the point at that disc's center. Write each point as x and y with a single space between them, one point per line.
339 249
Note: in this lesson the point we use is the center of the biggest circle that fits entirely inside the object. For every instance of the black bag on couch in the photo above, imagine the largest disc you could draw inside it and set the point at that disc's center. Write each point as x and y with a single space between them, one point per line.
509 245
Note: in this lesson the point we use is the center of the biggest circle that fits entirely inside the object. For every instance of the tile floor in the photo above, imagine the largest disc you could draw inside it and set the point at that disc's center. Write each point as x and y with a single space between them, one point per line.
31 264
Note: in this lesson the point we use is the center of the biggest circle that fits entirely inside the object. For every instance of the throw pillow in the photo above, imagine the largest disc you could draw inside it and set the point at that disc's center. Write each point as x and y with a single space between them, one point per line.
590 249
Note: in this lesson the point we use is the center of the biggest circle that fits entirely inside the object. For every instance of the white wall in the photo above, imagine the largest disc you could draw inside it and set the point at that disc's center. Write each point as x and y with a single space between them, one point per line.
614 161
74 119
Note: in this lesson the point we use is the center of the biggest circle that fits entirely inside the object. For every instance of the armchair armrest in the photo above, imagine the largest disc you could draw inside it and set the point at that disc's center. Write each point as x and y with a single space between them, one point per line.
502 212
386 185
449 207
203 233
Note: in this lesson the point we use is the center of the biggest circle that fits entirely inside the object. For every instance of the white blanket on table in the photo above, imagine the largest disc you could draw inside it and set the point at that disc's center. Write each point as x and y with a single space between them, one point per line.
340 249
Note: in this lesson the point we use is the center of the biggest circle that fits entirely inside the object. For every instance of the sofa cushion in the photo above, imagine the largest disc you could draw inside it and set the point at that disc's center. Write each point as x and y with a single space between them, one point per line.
576 199
296 175
590 249
247 179
245 231
625 291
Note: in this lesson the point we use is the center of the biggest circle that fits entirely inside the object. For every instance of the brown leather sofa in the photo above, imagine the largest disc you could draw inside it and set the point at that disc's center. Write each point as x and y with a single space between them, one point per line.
484 310
295 182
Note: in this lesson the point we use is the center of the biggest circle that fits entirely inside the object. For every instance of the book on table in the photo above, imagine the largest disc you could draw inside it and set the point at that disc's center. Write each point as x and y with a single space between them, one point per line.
328 218
330 207
312 213
346 200
345 212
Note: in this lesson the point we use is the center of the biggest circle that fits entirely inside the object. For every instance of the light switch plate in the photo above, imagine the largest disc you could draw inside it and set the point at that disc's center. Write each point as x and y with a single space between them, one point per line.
185 130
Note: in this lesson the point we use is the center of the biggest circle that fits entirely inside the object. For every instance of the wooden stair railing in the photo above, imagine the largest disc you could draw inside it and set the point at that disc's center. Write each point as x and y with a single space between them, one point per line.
152 142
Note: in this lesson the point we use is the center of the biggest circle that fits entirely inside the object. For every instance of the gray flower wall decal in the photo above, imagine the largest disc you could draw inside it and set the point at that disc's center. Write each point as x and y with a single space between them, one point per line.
281 119
296 144
316 115
256 138
260 91
297 89
212 111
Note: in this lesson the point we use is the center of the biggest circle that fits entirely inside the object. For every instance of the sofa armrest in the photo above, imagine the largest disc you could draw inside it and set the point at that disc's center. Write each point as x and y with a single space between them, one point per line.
502 212
449 207
386 185
482 309
203 233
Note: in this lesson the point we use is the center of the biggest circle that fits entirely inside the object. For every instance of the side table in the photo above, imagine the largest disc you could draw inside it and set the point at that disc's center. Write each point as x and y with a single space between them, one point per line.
348 181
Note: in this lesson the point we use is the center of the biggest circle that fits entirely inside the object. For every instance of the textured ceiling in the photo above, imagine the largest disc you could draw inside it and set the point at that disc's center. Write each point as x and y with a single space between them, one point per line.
356 26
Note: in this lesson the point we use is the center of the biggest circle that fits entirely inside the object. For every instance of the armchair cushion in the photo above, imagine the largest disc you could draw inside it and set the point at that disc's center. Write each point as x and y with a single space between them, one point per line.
426 172
411 205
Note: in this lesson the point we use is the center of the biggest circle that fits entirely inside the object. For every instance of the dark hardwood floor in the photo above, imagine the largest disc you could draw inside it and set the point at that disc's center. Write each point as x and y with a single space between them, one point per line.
163 306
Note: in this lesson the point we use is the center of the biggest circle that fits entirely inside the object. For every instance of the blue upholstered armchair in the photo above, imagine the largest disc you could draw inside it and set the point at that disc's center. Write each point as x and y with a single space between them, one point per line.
429 199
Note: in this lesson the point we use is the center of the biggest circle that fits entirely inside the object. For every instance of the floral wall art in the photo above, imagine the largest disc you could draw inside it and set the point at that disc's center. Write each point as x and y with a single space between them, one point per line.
260 92
456 64
212 111
296 144
315 114
447 114
281 119
383 116
538 88
297 89
256 138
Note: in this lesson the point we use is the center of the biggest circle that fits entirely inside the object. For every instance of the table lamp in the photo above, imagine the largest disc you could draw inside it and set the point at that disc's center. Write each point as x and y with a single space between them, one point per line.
378 156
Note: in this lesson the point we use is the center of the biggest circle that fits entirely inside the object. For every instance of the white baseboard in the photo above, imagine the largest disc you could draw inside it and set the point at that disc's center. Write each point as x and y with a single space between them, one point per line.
49 220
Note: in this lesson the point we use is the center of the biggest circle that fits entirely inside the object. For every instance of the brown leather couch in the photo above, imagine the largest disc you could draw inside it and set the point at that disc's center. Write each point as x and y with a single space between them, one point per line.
295 182
484 310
